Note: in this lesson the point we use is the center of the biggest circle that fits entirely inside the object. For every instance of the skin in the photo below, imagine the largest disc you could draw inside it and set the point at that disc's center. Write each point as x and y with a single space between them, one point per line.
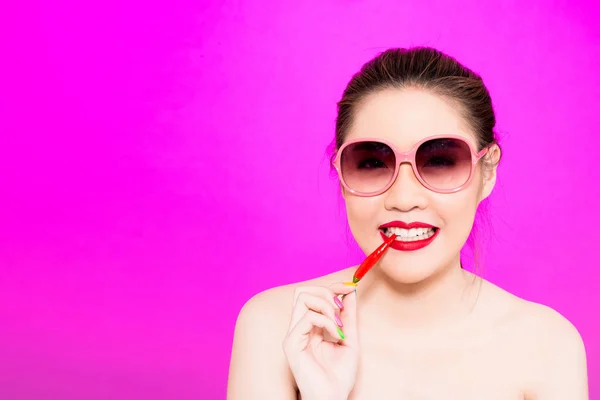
418 326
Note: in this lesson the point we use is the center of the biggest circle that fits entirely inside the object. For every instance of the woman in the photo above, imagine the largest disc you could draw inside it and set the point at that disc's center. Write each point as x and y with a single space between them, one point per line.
416 154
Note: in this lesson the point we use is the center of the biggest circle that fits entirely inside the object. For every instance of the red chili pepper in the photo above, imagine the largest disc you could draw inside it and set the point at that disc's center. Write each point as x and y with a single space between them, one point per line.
372 259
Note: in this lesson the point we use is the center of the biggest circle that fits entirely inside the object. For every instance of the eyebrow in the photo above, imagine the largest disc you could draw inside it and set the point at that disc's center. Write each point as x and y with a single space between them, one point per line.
441 143
371 145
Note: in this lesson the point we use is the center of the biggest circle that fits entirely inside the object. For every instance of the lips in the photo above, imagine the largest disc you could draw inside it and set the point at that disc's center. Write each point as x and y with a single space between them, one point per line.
404 225
408 240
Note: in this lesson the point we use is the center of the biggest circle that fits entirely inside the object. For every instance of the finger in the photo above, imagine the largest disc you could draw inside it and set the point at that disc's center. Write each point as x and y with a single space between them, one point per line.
324 292
342 288
318 291
306 302
310 320
329 291
348 315
321 291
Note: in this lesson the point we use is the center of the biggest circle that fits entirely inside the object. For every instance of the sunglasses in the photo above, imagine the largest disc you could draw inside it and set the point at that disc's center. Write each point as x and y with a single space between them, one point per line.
443 164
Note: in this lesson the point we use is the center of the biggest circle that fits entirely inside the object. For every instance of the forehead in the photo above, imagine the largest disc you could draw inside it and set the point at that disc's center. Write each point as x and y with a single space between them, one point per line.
404 117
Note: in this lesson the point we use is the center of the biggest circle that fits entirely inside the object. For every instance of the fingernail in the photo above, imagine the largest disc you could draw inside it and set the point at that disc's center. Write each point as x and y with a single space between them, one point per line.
338 321
350 284
338 302
341 333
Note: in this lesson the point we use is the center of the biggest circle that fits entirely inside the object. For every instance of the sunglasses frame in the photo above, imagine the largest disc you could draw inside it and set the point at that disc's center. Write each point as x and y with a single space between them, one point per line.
408 157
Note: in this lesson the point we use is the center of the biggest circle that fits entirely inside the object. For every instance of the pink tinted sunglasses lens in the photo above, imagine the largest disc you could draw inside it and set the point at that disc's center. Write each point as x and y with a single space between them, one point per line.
444 164
367 167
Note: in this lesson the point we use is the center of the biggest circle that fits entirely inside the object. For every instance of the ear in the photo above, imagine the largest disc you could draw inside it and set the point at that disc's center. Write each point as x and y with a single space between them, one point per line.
491 160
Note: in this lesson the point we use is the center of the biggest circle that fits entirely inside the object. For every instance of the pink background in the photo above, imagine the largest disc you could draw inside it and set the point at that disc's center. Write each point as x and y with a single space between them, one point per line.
160 163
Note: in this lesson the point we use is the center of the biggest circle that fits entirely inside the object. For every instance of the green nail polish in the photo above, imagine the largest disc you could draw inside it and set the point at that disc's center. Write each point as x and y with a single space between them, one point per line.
340 333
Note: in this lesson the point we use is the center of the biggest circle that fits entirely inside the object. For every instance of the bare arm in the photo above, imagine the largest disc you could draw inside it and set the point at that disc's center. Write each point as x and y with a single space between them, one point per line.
258 368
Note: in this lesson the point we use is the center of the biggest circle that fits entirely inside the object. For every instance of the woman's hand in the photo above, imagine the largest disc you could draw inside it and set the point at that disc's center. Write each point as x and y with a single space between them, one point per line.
322 344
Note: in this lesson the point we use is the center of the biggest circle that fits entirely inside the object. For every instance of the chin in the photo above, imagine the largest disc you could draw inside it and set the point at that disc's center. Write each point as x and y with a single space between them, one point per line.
408 273
414 267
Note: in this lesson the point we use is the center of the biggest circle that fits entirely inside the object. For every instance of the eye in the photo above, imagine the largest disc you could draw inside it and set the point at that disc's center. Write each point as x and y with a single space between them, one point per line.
371 163
439 162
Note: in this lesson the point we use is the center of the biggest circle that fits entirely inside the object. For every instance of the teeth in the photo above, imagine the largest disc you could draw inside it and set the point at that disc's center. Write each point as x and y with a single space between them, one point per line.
410 235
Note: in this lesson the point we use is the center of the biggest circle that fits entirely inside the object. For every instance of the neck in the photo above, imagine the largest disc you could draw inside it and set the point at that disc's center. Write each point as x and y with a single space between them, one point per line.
444 299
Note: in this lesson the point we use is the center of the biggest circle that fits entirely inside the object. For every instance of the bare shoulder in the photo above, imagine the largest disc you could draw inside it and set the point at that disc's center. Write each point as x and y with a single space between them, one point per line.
258 367
550 325
548 344
534 320
273 307
542 325
558 353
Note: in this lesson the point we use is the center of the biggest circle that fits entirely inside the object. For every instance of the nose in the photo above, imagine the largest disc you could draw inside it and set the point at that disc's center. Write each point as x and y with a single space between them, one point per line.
406 193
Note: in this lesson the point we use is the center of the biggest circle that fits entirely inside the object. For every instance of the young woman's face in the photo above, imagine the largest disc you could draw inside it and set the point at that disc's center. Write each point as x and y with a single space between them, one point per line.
404 118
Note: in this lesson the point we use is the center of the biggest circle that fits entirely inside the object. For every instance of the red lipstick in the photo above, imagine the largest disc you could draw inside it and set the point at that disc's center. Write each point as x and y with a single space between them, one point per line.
398 244
404 225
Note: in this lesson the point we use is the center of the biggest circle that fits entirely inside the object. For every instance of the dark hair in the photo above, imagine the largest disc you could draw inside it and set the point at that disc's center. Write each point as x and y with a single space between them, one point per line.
428 69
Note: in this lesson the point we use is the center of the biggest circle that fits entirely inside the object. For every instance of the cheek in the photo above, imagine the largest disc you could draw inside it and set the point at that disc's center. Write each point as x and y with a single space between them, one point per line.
458 210
362 211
